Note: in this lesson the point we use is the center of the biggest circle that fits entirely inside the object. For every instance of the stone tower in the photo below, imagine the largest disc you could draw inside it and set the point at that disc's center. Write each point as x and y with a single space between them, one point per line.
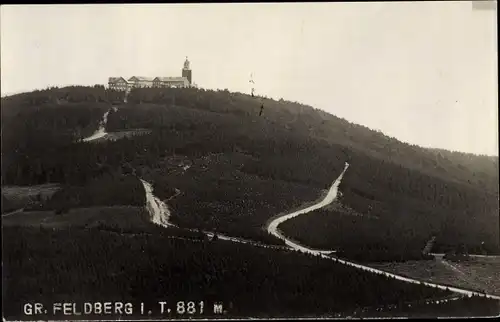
186 71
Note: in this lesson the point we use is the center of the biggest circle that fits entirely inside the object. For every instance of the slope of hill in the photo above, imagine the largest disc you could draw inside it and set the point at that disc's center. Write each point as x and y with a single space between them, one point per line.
319 124
265 164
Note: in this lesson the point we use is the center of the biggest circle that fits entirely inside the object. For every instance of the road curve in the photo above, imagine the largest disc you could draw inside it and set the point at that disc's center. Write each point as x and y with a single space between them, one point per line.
330 197
160 215
272 228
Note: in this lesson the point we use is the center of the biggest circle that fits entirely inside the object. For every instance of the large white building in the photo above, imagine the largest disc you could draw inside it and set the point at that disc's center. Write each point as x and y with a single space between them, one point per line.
121 84
170 82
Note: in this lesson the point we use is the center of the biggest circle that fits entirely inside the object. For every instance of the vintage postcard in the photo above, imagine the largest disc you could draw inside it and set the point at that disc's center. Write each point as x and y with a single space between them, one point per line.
250 161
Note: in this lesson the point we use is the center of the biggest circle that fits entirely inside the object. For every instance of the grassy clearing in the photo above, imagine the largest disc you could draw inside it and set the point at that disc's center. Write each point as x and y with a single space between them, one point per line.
116 217
26 219
23 191
481 274
17 197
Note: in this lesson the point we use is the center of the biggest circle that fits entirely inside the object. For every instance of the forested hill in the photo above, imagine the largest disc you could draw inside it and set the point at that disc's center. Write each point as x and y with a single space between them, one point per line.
308 122
453 195
300 119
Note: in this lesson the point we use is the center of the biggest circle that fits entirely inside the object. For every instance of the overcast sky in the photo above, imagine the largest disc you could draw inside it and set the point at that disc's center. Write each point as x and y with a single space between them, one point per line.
423 72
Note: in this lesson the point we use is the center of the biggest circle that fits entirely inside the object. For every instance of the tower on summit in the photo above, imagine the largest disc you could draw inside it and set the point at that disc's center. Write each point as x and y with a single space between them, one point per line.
186 71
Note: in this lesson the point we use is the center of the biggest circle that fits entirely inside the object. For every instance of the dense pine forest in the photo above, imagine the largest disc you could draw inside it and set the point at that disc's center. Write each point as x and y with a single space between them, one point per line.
145 268
369 239
222 167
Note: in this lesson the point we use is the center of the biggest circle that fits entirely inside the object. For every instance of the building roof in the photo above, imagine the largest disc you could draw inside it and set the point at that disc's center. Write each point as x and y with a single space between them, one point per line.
141 78
171 79
115 79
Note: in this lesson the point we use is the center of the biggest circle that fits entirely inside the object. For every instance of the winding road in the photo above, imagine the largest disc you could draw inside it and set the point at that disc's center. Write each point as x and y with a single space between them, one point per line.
330 197
272 228
160 215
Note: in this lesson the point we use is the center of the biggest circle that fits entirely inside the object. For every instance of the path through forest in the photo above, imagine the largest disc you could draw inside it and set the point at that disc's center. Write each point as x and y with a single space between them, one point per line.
101 131
331 196
272 228
160 215
158 210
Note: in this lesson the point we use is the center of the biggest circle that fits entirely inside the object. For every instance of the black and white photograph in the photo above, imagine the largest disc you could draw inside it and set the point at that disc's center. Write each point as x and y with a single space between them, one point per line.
250 161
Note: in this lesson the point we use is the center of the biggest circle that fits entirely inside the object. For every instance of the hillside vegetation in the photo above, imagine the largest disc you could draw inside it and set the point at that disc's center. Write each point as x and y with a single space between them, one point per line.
250 281
246 168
